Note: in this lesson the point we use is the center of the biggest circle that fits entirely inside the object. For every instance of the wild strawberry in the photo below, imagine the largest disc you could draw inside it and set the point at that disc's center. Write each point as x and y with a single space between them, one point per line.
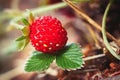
47 34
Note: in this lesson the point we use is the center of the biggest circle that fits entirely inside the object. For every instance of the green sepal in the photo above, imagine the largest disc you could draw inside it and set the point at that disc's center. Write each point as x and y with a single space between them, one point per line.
31 17
26 31
38 61
20 38
25 21
70 58
22 42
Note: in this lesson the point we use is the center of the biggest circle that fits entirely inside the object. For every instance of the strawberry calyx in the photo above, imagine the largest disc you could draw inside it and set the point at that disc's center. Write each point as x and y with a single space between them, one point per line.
23 40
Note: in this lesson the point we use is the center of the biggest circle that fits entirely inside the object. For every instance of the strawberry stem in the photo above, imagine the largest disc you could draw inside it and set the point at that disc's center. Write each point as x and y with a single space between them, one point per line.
35 12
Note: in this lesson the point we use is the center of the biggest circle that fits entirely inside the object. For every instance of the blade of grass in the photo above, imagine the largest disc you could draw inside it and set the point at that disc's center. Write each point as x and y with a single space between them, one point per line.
104 31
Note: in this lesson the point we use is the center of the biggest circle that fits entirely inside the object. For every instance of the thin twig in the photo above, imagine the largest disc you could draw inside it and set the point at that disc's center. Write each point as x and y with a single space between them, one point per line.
93 57
91 21
97 44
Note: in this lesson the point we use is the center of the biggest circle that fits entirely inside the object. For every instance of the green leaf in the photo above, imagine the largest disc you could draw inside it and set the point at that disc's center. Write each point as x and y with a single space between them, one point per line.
25 21
39 61
20 38
71 57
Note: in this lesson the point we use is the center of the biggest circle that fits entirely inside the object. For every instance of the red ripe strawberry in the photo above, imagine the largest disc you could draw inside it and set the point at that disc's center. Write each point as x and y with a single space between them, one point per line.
47 34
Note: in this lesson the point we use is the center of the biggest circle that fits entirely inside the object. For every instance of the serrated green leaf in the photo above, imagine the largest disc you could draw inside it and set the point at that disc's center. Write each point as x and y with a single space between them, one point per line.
20 38
71 57
39 61
25 21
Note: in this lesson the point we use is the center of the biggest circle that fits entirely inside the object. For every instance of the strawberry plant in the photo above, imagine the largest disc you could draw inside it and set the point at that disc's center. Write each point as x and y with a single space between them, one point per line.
49 39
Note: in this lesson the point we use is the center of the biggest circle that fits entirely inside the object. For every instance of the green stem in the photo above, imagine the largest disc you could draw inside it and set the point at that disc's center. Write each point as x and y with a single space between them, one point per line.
48 8
35 12
104 32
